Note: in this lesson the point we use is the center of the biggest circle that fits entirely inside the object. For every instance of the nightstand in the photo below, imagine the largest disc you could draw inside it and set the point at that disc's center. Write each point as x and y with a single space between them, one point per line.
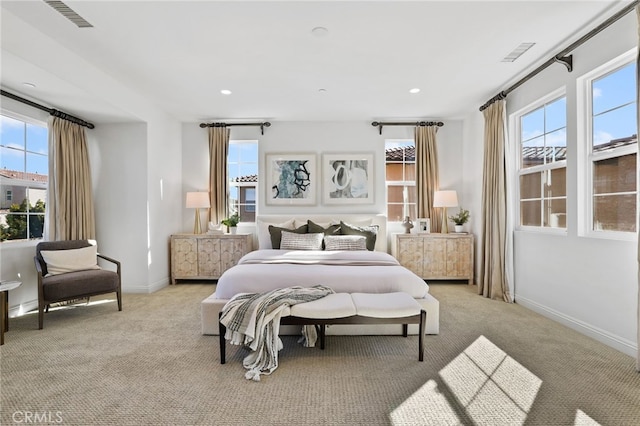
206 256
436 256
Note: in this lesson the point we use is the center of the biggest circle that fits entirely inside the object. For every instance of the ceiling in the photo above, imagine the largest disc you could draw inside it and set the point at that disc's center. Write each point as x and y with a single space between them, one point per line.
176 56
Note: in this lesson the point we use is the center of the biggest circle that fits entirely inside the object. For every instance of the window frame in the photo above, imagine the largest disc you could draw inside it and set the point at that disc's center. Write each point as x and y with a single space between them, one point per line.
587 158
516 132
27 120
403 183
245 184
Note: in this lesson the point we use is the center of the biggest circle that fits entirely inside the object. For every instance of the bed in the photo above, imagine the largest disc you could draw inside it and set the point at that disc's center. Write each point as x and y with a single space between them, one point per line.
345 271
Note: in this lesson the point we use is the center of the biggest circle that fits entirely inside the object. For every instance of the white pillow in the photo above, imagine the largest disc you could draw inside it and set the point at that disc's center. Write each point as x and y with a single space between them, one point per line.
293 241
345 242
264 237
63 261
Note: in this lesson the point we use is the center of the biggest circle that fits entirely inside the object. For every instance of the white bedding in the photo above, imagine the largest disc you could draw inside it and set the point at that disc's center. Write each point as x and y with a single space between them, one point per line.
344 271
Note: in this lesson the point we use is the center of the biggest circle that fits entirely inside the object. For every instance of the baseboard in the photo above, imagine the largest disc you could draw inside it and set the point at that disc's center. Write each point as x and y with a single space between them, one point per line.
23 308
623 345
146 289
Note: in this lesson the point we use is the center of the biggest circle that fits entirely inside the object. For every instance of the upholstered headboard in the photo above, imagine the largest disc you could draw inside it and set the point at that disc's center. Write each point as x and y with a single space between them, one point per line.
353 219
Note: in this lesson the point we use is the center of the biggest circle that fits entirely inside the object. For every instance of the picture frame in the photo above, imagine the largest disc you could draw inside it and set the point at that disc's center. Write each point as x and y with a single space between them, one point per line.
347 178
291 179
423 225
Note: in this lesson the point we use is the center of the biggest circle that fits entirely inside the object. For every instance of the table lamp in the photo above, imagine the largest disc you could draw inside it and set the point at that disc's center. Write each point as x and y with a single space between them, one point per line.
445 199
197 200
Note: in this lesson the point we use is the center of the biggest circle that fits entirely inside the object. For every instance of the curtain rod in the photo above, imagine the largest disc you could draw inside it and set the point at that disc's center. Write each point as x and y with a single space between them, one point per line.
262 125
380 124
51 111
562 56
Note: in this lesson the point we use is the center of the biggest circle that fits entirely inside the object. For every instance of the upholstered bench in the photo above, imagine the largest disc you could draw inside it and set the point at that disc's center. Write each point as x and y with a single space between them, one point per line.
353 308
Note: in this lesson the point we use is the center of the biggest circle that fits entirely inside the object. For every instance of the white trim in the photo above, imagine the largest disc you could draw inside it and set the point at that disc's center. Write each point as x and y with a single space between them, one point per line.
515 171
623 345
586 157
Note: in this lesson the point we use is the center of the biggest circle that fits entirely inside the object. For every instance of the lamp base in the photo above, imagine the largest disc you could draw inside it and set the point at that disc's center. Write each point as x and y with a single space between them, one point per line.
444 229
196 227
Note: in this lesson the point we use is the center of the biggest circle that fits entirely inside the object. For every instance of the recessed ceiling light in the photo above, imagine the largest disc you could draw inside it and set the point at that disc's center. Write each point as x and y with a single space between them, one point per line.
414 90
320 31
322 90
29 85
225 91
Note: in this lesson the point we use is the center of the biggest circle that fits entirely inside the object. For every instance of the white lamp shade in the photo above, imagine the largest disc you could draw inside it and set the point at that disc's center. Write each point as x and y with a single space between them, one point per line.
445 199
196 200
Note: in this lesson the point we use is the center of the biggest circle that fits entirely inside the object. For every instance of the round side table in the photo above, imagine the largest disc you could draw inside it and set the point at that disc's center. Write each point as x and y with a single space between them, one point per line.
5 286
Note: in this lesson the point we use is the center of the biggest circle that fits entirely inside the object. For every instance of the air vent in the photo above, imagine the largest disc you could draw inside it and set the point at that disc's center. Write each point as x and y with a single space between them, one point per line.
517 52
68 13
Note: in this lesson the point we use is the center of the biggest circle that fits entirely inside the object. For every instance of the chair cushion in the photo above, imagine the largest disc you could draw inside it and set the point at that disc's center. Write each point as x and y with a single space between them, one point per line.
78 284
385 305
335 305
63 261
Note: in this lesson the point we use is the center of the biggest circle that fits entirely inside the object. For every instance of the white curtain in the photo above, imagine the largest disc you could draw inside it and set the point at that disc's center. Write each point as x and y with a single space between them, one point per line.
70 210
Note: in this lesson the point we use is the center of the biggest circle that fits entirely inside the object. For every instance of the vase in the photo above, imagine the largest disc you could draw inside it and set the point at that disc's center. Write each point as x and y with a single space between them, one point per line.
458 228
233 229
407 224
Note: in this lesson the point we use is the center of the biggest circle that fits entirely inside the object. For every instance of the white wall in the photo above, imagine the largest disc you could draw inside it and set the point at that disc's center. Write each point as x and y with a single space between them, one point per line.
589 284
318 138
119 170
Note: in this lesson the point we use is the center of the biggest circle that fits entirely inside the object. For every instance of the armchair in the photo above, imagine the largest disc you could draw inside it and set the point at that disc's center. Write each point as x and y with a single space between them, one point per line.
73 280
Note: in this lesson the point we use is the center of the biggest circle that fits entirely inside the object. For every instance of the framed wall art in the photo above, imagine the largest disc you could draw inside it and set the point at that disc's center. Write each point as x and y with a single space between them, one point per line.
347 178
423 225
291 179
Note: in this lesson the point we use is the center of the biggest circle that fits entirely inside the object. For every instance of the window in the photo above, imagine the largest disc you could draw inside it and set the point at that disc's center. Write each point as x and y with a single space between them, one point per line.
400 168
242 166
612 141
24 169
542 137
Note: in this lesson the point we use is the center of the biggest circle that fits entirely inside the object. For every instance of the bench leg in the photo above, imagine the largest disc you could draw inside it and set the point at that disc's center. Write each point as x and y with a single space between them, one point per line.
223 342
423 320
322 334
405 330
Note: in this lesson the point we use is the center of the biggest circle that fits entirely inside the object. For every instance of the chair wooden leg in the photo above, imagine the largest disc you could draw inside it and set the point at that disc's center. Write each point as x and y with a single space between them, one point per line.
423 320
119 296
41 316
223 342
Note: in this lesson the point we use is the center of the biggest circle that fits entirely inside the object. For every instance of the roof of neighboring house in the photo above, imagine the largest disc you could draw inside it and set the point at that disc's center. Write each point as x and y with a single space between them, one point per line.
407 153
14 174
538 153
247 178
616 143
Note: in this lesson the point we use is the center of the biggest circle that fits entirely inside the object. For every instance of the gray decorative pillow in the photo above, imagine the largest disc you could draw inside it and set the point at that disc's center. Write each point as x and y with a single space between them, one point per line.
369 232
293 241
331 229
276 234
345 242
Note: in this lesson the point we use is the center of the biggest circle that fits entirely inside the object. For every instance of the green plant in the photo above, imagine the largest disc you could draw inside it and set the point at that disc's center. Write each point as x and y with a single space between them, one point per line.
232 220
461 218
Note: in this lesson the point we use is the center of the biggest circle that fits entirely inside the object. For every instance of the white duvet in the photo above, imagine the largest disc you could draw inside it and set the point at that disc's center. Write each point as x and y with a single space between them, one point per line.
344 271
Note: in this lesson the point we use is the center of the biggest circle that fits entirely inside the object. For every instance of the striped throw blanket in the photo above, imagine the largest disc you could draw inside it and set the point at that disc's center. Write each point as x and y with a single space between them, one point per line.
253 319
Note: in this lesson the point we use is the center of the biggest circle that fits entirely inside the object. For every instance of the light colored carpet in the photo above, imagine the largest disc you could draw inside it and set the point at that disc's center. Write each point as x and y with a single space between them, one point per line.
149 365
